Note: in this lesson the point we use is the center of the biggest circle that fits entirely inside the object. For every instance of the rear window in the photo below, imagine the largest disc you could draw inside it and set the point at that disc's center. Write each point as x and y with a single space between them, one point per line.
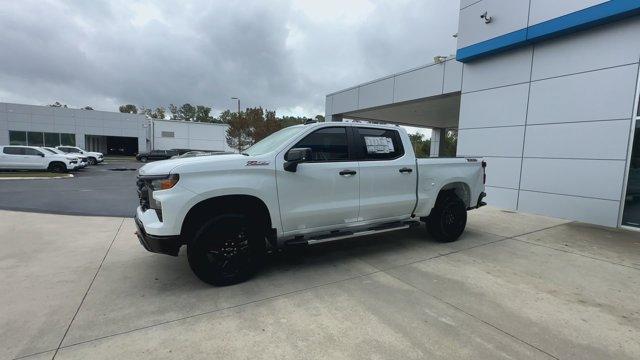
13 150
378 144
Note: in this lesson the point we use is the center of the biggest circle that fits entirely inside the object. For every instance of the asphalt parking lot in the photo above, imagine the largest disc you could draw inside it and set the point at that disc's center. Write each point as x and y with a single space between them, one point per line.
514 286
107 189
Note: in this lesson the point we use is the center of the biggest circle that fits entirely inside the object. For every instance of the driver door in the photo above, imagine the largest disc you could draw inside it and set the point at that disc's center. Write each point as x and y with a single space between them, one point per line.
323 192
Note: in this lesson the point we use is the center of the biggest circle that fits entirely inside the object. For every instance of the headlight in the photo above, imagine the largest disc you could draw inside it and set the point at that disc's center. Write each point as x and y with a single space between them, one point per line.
164 183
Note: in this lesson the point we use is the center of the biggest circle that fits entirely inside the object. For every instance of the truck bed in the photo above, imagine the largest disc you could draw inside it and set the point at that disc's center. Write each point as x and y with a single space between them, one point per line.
435 174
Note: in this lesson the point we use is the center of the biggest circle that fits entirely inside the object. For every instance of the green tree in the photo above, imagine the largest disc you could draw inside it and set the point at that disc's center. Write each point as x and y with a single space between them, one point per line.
319 118
240 131
175 113
129 109
158 113
421 146
202 114
450 143
267 126
187 112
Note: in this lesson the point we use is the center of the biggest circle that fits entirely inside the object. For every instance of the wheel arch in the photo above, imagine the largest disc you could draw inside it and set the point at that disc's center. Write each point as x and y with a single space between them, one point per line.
205 209
461 189
56 162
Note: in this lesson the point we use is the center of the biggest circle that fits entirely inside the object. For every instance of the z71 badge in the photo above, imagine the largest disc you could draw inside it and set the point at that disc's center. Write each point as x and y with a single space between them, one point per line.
256 163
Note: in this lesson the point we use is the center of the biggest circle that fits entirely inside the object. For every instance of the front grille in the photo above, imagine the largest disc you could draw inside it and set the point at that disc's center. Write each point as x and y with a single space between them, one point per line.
143 193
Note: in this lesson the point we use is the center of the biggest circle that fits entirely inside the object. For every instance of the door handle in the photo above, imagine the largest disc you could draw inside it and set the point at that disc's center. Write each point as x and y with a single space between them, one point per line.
405 170
347 172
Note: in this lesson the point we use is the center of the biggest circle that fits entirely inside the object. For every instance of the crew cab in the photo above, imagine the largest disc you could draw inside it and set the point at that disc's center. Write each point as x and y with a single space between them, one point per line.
16 157
93 157
302 185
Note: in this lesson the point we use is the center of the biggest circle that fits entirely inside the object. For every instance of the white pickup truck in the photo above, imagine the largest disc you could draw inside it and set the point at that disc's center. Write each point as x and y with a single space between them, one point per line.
302 185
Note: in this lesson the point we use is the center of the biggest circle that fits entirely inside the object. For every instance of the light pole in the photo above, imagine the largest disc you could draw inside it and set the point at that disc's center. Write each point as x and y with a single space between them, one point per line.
235 98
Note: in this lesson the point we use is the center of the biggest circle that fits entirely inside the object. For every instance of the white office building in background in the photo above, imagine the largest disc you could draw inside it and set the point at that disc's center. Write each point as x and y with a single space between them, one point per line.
103 131
545 90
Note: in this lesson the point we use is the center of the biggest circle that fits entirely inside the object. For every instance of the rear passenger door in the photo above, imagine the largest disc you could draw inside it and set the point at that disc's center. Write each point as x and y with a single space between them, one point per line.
388 175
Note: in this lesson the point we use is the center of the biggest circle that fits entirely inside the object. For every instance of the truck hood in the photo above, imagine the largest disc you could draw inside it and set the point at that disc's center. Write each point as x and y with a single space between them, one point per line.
194 164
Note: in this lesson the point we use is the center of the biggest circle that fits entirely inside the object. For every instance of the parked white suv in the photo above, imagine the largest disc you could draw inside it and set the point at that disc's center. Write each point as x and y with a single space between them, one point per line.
302 185
94 157
15 157
82 160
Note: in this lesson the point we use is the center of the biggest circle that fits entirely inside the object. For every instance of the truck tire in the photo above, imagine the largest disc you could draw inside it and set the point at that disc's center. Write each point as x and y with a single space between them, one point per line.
226 250
57 167
448 218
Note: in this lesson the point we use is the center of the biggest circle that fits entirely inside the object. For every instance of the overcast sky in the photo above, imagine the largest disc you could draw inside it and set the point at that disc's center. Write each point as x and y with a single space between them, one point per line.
283 55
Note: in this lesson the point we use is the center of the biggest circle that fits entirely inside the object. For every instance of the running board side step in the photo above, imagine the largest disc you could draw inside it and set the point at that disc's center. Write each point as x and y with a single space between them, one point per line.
346 234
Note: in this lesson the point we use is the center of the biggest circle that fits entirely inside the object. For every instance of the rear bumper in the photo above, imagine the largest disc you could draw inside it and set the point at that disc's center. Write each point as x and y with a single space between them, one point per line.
169 245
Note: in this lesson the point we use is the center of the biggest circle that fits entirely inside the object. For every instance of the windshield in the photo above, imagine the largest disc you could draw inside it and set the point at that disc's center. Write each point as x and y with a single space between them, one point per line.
274 140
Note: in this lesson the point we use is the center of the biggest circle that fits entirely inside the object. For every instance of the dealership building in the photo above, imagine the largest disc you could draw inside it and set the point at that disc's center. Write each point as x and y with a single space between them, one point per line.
103 131
545 90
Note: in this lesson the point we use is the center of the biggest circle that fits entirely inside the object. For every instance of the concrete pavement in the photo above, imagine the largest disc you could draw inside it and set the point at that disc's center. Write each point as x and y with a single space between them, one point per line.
514 286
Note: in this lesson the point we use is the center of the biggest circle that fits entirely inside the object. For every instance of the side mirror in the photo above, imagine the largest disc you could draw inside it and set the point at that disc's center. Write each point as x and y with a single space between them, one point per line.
296 156
41 155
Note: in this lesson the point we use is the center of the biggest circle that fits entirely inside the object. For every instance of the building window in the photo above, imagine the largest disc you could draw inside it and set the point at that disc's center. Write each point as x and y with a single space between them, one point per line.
17 138
68 139
51 139
168 134
35 138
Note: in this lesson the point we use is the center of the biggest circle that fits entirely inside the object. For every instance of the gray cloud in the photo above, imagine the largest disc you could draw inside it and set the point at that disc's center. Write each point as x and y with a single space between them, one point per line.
282 55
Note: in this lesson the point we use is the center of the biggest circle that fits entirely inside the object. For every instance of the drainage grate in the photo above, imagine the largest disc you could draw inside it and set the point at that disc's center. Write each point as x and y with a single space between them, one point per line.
122 169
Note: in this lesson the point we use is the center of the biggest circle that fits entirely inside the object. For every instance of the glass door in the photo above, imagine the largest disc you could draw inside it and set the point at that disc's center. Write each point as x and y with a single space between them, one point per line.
631 214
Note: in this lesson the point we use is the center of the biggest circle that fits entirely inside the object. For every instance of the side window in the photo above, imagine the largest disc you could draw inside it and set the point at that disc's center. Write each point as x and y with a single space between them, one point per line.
378 144
13 150
327 144
30 151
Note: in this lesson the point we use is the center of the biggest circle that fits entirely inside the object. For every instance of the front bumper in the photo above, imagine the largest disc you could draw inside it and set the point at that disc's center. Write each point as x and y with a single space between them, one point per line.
169 245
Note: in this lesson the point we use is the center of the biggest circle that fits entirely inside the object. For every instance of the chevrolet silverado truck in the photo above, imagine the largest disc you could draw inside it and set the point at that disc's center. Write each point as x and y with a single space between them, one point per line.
302 185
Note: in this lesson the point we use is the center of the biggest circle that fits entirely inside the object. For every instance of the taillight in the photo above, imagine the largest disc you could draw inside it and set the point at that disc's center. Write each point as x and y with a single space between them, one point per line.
484 172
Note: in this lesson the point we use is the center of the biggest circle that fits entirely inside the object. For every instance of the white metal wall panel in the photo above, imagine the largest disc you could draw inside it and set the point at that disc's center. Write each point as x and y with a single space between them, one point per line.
503 141
504 106
508 16
543 10
597 95
327 107
345 101
64 120
19 125
501 198
62 128
586 140
503 172
376 93
508 68
419 83
452 76
589 178
595 211
465 3
602 47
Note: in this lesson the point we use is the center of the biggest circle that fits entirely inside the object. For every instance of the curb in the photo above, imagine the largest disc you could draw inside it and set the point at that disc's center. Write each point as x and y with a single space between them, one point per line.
67 176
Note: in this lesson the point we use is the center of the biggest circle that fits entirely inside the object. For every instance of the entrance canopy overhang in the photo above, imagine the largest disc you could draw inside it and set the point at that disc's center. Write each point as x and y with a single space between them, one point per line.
428 96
